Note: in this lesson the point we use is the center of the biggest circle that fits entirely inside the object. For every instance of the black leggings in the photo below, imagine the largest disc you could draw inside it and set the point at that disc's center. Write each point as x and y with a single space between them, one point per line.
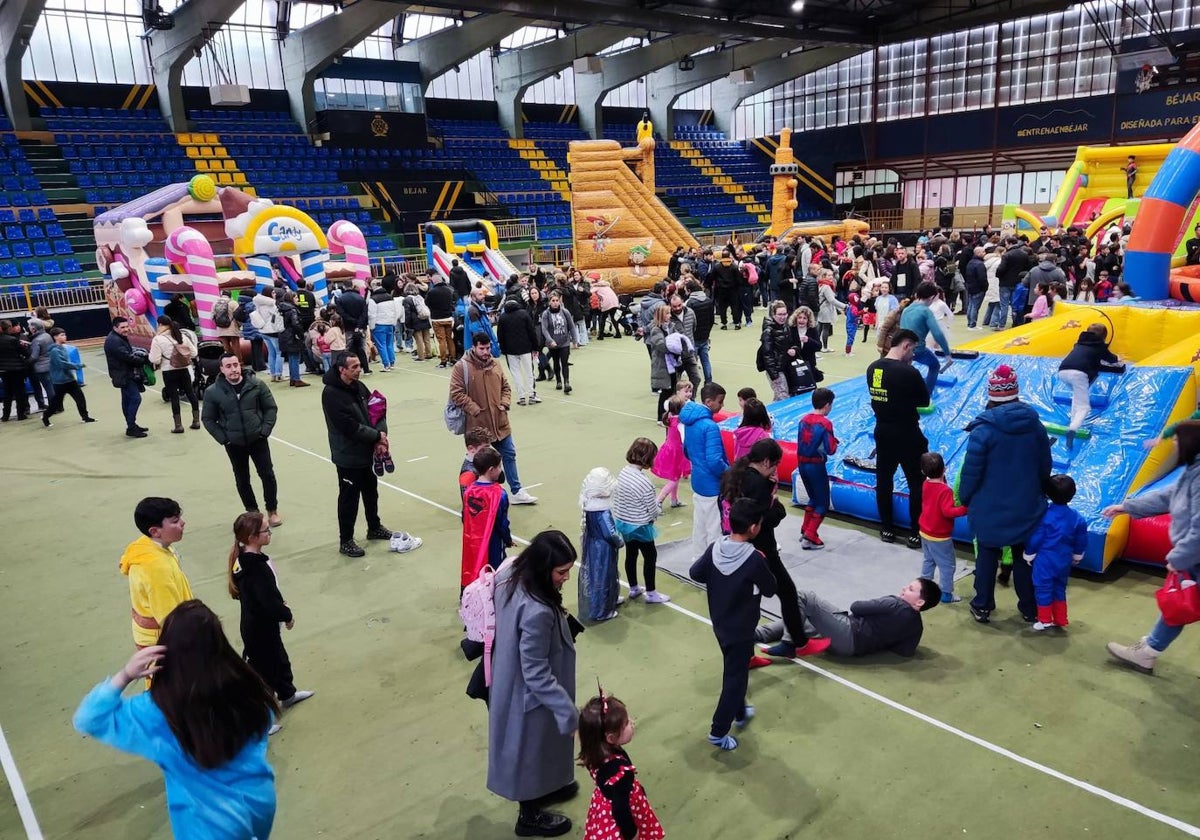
789 600
605 317
649 561
826 332
560 360
176 382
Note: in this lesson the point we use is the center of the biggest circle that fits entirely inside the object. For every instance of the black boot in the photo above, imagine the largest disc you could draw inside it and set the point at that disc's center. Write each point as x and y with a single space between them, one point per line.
541 824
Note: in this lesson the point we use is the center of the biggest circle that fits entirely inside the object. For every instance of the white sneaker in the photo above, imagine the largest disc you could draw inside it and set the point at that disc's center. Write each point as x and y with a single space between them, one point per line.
535 399
1040 626
636 592
522 497
298 697
275 727
402 542
656 597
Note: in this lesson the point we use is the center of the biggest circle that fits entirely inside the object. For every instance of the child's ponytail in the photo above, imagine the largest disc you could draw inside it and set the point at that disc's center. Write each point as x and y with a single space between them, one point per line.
245 528
599 718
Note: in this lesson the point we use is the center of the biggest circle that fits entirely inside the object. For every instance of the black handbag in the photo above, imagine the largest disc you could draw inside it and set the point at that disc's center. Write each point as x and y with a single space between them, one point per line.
800 377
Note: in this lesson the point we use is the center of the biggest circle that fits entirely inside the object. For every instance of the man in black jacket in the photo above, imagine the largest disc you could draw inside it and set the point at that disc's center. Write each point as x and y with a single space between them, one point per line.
906 275
441 303
352 307
459 281
975 275
239 413
13 368
124 366
892 623
518 342
354 443
726 279
1015 263
705 311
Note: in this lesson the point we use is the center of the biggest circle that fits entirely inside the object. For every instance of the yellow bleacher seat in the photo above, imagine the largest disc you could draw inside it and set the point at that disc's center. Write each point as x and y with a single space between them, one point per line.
224 179
239 179
192 151
230 165
211 139
251 191
205 151
219 151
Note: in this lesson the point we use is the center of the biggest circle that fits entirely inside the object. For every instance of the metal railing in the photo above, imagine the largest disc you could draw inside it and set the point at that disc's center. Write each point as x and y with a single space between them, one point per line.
26 297
557 255
416 265
885 220
507 230
745 236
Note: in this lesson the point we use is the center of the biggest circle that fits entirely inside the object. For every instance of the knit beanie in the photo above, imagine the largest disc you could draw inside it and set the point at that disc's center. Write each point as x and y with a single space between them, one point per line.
1002 385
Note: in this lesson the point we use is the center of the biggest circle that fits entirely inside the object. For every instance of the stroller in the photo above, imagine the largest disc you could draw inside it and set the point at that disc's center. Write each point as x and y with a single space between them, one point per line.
207 366
625 314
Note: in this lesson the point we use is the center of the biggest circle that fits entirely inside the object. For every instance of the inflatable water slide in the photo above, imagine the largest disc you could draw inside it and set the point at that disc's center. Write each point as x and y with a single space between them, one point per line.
1131 404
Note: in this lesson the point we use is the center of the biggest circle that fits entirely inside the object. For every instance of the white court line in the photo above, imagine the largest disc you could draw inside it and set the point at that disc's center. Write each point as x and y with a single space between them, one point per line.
24 807
414 460
1087 787
531 486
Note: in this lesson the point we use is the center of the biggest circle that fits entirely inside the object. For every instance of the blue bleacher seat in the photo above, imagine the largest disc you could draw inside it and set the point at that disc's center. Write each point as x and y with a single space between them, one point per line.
8 271
51 267
21 250
30 269
71 266
42 248
63 248
5 252
45 214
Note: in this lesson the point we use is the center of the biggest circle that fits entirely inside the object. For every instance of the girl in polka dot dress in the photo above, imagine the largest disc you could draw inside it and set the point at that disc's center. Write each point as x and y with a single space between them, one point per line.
619 809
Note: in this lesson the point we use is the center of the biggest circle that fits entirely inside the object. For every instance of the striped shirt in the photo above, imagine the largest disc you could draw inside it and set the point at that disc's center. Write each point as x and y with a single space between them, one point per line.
635 501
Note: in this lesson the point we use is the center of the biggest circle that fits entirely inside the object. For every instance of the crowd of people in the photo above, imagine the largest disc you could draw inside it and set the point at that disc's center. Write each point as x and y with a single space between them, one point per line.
1017 510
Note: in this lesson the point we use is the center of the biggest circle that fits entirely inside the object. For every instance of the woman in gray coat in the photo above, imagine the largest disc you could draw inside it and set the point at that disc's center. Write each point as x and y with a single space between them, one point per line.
531 713
662 381
1183 503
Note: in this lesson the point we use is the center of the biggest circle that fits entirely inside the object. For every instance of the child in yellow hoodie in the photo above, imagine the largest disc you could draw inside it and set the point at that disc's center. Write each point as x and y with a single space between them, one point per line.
156 583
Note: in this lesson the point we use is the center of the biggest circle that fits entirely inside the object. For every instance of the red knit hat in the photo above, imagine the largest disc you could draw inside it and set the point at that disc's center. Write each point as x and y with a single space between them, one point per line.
1002 385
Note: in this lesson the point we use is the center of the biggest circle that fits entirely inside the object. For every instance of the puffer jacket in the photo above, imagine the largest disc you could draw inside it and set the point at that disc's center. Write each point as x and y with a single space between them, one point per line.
704 448
656 341
291 337
515 330
382 309
1004 473
646 309
272 321
776 340
352 438
13 354
240 419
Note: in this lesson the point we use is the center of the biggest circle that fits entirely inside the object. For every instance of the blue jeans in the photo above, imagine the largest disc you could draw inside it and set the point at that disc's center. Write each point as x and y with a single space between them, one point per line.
989 313
926 357
131 399
973 304
1002 309
1162 634
705 364
939 555
293 360
274 359
508 460
384 336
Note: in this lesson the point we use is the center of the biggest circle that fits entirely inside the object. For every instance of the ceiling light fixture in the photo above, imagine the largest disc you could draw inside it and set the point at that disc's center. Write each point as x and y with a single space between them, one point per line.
798 6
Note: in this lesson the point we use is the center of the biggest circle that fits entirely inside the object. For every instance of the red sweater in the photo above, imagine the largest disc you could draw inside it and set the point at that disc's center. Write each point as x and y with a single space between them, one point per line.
938 510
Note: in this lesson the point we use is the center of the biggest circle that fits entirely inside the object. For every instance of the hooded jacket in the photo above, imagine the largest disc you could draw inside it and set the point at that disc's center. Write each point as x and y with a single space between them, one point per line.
291 337
976 276
1046 271
263 608
1087 354
157 585
239 418
776 340
736 576
646 309
1006 467
558 327
441 301
352 438
272 321
1058 540
704 448
515 330
705 311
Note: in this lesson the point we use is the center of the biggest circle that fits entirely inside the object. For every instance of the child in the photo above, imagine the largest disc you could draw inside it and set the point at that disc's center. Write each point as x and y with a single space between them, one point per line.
755 425
252 583
1057 544
745 394
1042 303
945 319
938 513
853 313
815 443
1080 369
318 335
156 583
475 439
635 507
335 339
671 463
736 576
62 377
204 721
598 585
485 518
1020 296
619 808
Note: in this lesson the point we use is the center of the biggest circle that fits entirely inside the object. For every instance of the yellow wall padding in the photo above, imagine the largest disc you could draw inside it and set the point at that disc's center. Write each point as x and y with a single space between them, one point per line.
617 218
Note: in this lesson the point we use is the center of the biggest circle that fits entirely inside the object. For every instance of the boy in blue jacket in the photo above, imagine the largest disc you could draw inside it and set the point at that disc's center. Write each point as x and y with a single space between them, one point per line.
705 449
1056 546
736 576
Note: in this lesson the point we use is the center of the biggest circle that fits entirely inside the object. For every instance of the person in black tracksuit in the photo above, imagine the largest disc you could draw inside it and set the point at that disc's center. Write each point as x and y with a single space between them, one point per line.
252 583
897 390
352 306
727 278
736 577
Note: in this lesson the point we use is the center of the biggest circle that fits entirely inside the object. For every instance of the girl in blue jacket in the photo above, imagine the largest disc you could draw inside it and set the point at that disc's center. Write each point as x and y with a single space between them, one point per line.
204 722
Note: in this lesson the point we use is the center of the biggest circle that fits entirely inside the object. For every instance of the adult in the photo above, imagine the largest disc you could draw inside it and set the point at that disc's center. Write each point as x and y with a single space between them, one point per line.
441 303
243 315
480 388
777 349
291 336
124 369
269 322
663 377
897 391
976 278
705 311
652 301
477 321
382 314
352 308
906 274
306 303
1192 247
172 351
726 277
354 442
1080 369
610 305
1183 503
180 312
459 281
704 448
531 709
40 343
1004 473
240 413
1015 262
14 356
682 321
1046 271
919 319
415 316
518 342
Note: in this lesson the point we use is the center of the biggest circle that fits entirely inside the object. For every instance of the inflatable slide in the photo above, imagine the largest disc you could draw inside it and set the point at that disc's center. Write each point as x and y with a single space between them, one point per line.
1130 405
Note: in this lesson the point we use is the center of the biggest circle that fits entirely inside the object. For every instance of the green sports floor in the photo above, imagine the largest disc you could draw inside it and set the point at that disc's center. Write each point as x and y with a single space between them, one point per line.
990 732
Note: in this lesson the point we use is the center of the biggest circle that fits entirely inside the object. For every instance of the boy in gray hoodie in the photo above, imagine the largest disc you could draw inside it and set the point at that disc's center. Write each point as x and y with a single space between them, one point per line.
736 576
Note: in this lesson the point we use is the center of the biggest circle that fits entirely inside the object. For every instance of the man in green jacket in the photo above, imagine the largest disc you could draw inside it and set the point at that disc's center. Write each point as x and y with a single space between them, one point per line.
239 412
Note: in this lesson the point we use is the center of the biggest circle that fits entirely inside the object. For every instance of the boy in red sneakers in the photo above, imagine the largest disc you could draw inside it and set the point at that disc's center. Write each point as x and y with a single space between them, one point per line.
938 513
1056 546
815 443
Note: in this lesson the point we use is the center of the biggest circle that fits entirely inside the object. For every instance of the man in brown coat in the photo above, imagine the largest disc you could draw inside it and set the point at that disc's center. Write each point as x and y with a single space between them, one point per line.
478 386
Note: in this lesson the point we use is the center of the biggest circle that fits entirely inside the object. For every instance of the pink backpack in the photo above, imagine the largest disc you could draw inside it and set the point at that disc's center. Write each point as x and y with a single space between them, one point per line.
751 271
478 613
